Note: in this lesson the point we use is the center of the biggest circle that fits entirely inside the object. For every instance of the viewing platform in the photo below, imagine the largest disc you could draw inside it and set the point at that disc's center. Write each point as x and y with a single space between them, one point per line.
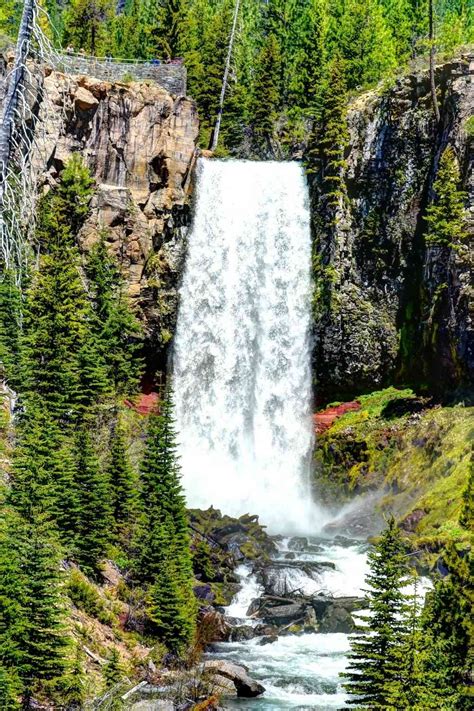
170 75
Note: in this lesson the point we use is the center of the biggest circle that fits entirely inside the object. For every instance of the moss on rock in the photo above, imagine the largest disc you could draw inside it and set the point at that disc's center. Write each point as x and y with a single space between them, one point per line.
416 455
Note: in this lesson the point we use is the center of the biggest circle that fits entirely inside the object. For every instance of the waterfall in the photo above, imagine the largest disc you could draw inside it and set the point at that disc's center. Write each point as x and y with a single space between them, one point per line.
242 376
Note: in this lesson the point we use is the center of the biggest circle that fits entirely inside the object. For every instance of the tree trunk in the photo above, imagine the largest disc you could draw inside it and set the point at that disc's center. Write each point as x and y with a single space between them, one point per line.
217 127
432 63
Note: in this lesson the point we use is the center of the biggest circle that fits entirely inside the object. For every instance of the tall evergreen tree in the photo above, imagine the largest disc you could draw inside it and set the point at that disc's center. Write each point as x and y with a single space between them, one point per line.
330 135
373 669
57 364
266 94
409 689
123 481
93 517
170 604
10 317
362 36
33 640
43 469
449 633
446 216
86 24
55 328
310 57
163 541
115 329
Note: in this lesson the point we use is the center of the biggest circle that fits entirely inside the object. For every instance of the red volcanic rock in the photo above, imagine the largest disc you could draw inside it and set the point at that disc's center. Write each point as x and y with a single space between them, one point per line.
145 403
324 419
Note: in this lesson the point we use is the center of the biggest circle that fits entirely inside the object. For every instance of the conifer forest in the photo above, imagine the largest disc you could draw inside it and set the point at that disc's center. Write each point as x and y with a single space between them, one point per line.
236 355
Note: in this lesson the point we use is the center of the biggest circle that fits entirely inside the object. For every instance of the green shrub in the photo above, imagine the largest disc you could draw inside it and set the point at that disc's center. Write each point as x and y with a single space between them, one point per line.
86 597
469 126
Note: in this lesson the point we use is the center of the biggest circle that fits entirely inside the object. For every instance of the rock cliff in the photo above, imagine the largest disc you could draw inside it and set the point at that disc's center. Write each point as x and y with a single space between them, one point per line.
387 306
139 142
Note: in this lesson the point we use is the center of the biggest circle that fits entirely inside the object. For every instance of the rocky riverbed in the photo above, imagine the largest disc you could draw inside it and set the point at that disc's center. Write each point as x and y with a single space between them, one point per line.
289 623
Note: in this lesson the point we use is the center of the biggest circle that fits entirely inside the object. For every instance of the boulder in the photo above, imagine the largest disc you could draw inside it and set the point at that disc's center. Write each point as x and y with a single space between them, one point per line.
204 592
242 633
254 607
334 614
268 639
84 100
266 630
321 604
337 619
245 686
298 543
284 614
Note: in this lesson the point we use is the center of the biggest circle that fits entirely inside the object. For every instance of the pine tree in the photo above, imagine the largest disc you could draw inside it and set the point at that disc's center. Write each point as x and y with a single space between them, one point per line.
10 317
73 684
112 670
33 640
55 345
123 481
409 690
449 632
62 211
115 328
55 328
205 51
170 607
361 35
44 644
93 517
10 688
164 556
43 473
372 669
310 57
446 216
266 94
330 135
86 23
168 36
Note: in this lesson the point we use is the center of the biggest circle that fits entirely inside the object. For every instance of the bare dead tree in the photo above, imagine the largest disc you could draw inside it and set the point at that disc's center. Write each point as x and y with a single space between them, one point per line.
217 128
434 98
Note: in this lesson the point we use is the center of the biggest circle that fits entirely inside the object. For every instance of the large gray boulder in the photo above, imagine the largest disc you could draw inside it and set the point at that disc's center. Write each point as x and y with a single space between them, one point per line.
245 686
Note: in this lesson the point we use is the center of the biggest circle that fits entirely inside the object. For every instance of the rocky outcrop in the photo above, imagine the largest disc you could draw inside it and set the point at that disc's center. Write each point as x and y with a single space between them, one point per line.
139 142
387 306
297 613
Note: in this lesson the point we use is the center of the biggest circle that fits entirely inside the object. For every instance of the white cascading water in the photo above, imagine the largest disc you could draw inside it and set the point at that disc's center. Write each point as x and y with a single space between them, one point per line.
242 375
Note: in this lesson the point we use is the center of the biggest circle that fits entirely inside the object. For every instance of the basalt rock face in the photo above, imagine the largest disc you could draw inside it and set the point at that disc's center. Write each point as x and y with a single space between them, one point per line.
388 306
139 142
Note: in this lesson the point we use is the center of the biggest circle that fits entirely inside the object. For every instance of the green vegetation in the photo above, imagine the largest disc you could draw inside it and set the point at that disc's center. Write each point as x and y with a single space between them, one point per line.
405 657
71 502
400 444
469 126
373 664
330 135
291 44
446 216
163 543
